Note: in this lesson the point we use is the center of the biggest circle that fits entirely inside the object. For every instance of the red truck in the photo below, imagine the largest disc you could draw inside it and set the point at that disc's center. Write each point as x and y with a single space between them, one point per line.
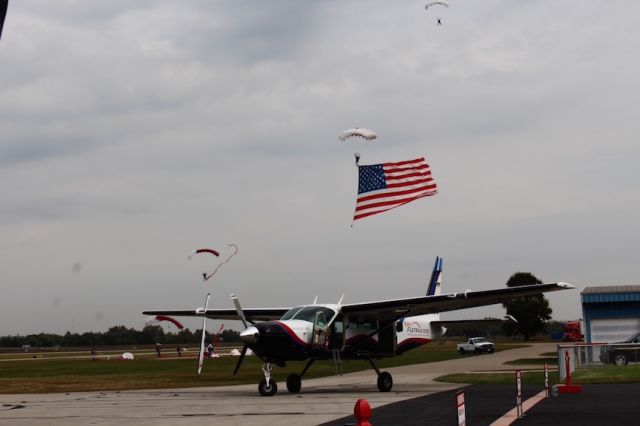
573 331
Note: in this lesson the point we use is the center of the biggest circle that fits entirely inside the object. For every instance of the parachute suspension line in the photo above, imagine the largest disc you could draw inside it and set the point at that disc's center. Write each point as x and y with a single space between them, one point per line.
235 247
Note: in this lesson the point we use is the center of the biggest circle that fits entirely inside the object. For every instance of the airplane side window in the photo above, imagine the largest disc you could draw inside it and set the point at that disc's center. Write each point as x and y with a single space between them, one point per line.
321 321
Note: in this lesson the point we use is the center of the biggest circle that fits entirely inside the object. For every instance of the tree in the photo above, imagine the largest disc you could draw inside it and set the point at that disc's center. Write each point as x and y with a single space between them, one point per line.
531 312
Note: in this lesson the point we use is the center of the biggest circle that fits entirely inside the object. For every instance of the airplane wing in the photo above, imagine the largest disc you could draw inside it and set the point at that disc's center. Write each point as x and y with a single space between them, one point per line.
255 314
393 309
483 321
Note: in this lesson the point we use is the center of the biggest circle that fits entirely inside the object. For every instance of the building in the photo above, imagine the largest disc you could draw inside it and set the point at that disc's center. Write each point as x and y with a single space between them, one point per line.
611 313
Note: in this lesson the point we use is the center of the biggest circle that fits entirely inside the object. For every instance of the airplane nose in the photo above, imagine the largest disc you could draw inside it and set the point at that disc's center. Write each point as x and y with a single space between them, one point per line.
250 334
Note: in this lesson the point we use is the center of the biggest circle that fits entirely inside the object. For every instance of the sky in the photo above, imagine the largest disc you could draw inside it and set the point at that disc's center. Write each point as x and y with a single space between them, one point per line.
133 133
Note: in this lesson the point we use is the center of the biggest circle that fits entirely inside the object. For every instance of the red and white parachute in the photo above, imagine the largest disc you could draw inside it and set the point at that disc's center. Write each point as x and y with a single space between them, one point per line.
358 132
206 276
158 318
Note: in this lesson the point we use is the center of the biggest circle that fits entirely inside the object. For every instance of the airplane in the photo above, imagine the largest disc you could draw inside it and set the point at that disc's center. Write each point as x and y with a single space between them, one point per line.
355 331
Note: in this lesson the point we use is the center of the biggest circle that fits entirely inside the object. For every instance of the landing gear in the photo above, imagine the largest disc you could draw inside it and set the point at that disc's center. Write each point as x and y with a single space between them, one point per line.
294 381
385 381
267 386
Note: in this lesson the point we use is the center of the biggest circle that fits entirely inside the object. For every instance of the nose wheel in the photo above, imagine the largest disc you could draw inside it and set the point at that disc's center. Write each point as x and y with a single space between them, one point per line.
267 386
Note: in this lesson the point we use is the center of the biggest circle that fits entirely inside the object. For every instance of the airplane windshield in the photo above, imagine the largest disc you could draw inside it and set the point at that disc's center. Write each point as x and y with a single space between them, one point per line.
290 313
308 313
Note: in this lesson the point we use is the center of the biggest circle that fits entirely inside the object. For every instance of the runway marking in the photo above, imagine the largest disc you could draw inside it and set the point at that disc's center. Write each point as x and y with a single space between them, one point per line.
512 415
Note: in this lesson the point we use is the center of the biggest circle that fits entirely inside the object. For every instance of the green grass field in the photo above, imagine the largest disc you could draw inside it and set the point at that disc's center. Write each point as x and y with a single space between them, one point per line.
43 373
74 371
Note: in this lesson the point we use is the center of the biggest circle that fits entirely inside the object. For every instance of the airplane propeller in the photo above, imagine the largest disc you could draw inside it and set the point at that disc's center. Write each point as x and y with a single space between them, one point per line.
236 303
242 354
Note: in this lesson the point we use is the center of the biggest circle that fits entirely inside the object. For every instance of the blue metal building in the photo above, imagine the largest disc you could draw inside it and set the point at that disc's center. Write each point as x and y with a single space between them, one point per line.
611 313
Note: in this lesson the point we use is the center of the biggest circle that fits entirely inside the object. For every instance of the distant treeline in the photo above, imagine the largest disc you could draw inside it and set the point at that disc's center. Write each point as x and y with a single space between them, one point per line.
115 336
152 334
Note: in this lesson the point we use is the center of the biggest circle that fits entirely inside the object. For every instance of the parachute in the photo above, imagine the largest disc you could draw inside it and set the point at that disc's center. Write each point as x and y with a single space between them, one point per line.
204 250
158 318
206 276
436 3
359 133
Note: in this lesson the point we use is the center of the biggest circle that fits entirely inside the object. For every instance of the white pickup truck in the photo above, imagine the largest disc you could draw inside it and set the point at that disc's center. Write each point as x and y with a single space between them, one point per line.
476 345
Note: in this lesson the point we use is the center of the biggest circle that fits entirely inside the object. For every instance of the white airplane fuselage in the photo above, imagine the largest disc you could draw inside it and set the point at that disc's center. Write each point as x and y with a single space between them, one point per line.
352 336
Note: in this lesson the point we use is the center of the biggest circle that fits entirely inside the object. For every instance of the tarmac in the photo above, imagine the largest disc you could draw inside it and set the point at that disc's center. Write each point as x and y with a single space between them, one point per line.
414 399
601 405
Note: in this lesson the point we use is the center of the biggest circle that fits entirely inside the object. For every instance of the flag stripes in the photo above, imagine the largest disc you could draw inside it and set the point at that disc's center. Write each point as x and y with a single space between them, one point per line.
385 186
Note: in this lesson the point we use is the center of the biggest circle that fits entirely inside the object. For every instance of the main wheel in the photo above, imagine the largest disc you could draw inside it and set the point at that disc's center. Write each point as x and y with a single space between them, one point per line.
385 382
269 389
620 359
476 351
294 383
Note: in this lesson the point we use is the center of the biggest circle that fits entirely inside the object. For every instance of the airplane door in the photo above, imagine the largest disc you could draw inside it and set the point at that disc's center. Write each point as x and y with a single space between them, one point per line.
319 332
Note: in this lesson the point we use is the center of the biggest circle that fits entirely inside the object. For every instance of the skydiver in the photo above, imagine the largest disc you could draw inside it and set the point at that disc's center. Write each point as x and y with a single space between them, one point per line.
439 21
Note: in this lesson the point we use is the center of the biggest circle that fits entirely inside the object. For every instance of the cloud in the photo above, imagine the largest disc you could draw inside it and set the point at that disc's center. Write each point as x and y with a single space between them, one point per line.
133 134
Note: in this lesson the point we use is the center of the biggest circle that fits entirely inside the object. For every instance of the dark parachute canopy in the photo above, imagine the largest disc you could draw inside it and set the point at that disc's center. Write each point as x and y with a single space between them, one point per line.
436 3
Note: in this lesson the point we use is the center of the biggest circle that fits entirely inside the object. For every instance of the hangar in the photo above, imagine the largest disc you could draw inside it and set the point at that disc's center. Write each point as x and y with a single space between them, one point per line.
610 313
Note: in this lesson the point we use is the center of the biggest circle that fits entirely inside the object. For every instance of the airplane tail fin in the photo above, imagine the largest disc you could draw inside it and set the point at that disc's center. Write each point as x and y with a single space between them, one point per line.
434 283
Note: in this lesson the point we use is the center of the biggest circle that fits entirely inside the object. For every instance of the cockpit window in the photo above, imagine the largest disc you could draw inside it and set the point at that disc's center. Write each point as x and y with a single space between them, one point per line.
290 313
308 313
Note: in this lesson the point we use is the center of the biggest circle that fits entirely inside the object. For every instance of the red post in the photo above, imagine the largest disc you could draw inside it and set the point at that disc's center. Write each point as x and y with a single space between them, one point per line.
568 387
362 412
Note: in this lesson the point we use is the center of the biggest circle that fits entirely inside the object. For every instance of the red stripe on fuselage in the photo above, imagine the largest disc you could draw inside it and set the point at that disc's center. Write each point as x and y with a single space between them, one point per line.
411 343
292 334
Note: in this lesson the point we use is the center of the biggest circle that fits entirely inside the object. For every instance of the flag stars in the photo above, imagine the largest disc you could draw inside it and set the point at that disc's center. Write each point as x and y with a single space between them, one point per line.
371 178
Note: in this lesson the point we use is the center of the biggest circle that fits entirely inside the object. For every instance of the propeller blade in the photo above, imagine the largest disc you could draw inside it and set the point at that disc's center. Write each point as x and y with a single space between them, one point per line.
236 302
204 326
242 354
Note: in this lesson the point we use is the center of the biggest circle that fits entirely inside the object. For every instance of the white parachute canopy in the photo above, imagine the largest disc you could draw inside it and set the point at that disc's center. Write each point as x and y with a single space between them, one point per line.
127 356
436 3
358 132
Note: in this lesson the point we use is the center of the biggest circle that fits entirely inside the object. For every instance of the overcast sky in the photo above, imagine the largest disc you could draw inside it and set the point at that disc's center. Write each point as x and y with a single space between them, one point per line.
132 133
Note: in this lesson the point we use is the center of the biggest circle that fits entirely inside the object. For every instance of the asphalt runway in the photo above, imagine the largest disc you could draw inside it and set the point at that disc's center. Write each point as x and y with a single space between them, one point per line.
321 400
602 405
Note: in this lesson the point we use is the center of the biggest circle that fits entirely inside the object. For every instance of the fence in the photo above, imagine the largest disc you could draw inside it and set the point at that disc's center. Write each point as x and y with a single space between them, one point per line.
588 355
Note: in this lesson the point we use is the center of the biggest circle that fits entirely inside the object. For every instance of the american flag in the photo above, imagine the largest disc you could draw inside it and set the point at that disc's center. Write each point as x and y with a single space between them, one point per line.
385 186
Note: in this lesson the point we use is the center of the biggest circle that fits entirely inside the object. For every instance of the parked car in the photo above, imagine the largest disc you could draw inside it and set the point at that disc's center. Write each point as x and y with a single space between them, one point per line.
620 353
476 345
